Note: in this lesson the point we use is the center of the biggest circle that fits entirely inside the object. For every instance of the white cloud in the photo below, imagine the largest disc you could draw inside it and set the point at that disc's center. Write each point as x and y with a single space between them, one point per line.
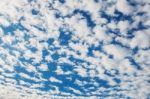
4 21
100 34
123 26
117 51
8 39
85 37
141 40
31 68
43 67
52 79
124 7
143 57
81 71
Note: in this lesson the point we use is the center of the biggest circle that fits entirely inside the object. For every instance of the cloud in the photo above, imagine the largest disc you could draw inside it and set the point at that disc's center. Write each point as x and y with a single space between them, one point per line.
141 40
104 43
124 7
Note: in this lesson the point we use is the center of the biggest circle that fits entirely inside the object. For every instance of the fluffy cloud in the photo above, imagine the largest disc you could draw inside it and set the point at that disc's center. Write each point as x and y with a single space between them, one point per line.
64 48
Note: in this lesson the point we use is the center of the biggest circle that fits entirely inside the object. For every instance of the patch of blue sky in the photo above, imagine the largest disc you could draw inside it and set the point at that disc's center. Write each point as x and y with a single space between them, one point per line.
117 17
62 1
35 12
87 16
64 37
40 28
94 48
12 28
50 41
134 63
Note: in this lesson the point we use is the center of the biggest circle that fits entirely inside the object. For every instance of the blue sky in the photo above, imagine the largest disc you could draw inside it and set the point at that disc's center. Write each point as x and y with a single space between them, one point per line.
74 48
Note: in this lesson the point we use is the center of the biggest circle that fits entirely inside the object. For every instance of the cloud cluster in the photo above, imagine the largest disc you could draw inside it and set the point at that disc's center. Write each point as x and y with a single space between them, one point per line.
74 48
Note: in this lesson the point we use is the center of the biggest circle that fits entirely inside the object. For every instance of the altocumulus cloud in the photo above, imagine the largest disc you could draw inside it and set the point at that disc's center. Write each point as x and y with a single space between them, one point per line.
74 49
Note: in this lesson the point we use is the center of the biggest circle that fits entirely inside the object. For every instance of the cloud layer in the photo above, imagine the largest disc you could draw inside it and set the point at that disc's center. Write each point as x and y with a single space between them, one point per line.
74 48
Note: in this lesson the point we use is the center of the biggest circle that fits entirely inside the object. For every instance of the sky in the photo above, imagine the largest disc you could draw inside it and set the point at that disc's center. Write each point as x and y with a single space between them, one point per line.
74 49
